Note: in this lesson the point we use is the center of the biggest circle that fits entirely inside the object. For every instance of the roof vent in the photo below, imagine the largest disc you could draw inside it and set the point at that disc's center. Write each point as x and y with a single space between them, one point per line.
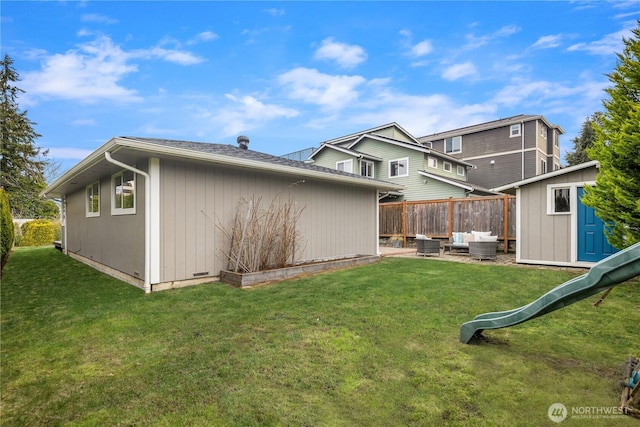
243 142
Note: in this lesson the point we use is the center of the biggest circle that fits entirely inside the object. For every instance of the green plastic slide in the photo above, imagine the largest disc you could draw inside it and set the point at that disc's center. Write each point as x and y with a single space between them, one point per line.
609 272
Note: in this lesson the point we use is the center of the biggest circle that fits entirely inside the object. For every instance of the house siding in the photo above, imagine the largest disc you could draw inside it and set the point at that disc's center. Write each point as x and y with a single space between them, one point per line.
112 240
197 199
544 237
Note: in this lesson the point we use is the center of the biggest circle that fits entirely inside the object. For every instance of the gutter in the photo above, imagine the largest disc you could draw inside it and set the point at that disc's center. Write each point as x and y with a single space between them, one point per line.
522 155
147 217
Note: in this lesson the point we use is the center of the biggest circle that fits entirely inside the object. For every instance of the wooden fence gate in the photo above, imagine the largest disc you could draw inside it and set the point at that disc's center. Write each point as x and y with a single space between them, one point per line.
440 218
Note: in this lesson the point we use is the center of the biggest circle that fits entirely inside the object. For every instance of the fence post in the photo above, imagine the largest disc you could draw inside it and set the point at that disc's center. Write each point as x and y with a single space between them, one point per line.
506 223
404 223
450 218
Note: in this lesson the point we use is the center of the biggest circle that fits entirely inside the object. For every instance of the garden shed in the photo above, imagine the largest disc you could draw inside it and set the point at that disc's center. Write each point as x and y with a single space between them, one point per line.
553 226
151 211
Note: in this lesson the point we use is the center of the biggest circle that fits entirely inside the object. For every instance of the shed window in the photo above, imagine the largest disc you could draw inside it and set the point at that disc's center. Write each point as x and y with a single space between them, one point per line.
123 194
559 200
399 167
93 199
345 166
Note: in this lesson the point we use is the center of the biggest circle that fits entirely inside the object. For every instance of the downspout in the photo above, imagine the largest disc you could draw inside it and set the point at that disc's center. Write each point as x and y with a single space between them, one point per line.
147 218
522 152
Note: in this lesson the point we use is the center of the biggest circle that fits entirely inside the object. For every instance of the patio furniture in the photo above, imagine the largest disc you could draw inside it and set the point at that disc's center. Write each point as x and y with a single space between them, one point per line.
427 246
483 250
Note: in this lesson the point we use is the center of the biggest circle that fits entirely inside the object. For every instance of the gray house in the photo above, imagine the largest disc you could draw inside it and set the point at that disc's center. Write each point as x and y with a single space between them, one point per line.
502 151
553 226
149 211
392 154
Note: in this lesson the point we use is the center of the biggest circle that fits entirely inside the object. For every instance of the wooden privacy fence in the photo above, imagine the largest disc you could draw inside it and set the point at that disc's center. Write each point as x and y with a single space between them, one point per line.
440 218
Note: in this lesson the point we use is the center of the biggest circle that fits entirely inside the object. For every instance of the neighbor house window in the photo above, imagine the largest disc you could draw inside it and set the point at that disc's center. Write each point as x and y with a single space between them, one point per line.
515 130
345 166
543 166
432 162
446 166
559 201
543 131
399 167
366 168
556 166
123 193
460 170
556 139
453 145
93 199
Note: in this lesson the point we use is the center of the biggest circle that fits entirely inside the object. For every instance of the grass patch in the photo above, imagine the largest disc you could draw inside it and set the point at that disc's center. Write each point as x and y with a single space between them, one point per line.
372 345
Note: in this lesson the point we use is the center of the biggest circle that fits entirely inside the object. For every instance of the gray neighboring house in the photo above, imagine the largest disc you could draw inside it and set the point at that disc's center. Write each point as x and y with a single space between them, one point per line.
553 227
502 151
148 210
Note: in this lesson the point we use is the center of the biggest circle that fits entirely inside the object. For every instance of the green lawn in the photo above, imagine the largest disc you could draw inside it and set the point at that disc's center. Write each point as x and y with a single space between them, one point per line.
370 346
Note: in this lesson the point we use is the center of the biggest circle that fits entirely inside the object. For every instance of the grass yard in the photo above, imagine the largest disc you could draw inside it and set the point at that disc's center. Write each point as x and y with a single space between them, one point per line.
370 346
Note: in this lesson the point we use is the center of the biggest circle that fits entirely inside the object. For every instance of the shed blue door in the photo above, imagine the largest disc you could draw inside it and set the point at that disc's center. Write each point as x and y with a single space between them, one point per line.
592 242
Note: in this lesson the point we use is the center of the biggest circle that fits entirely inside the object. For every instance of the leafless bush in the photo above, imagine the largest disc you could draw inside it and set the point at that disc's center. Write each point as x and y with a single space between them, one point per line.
263 238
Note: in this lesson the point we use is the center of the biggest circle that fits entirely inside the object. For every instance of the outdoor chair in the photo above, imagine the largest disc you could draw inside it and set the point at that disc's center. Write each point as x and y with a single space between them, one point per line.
483 250
427 246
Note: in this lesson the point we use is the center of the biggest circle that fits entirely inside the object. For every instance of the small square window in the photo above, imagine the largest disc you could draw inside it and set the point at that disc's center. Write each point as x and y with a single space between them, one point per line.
453 145
515 130
460 170
432 162
447 166
399 167
559 201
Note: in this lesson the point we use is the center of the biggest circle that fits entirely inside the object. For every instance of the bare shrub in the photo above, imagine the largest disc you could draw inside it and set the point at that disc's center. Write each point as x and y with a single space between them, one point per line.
263 238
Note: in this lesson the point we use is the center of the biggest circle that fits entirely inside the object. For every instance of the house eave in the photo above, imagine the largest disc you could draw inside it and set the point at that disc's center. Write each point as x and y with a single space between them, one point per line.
559 172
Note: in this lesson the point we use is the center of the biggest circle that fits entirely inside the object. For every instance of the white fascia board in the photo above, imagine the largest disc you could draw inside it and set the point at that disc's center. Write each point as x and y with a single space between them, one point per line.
445 180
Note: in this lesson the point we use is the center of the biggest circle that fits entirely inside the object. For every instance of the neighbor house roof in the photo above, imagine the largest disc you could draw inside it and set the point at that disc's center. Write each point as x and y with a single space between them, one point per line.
537 178
356 135
136 149
487 126
467 186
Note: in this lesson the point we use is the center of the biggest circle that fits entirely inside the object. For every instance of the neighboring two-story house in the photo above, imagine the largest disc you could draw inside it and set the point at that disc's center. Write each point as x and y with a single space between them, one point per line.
502 151
391 153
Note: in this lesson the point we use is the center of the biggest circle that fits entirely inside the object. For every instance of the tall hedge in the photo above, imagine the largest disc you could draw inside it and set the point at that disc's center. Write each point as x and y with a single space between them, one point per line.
6 225
39 232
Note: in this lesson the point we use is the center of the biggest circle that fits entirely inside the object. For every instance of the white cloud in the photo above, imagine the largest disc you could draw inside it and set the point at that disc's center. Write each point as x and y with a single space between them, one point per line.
95 17
87 74
609 44
474 42
547 42
69 153
313 87
204 36
458 71
347 56
247 112
420 49
170 55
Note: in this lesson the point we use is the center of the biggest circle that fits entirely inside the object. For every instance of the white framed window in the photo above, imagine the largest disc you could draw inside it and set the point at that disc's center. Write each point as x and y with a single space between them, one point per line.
123 193
345 166
543 131
398 167
432 162
556 166
515 130
453 145
543 166
447 166
558 200
366 168
93 199
556 139
460 170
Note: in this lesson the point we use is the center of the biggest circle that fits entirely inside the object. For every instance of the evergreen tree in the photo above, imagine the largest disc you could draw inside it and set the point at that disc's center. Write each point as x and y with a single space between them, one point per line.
21 163
583 142
616 196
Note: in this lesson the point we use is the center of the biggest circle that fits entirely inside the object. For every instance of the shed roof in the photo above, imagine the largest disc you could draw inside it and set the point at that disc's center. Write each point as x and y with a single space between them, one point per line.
130 150
537 178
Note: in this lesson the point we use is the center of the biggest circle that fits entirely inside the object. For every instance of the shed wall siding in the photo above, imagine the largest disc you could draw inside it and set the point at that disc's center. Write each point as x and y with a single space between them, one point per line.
197 199
113 240
546 237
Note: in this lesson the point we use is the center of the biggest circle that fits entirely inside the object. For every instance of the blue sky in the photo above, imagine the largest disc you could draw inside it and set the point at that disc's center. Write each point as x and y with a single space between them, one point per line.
293 74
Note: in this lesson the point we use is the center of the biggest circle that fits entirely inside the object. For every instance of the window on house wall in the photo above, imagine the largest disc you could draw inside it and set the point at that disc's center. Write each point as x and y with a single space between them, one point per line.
543 166
559 200
556 139
453 145
515 130
556 166
345 166
447 166
543 131
123 194
432 162
366 168
428 144
460 170
93 199
398 167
